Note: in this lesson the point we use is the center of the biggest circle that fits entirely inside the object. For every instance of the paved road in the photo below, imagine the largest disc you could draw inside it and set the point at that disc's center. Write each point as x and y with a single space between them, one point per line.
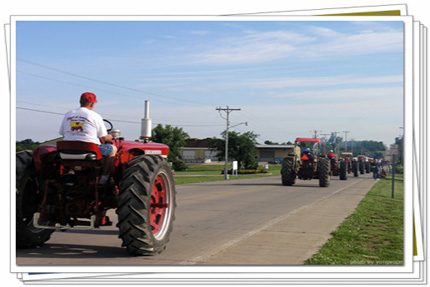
238 222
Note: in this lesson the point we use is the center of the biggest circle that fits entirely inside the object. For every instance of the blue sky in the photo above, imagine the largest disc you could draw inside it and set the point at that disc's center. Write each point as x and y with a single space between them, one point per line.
289 78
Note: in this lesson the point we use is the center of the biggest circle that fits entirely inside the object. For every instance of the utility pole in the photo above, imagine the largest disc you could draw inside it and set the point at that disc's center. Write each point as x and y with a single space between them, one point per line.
336 146
228 111
346 147
325 141
315 133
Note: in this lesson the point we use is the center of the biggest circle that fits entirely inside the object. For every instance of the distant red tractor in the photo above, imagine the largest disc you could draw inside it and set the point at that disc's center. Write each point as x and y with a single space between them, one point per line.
355 166
57 188
368 164
306 162
363 164
347 157
338 167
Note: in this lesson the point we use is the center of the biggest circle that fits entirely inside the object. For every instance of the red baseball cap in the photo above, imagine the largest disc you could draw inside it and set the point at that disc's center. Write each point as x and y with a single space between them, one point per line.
88 98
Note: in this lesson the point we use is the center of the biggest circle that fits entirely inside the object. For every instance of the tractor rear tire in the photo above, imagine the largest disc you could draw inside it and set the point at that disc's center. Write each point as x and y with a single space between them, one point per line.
287 172
29 196
355 168
361 167
324 172
146 205
342 170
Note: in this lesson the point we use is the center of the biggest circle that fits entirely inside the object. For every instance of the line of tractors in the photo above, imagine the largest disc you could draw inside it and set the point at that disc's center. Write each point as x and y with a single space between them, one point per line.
308 161
58 188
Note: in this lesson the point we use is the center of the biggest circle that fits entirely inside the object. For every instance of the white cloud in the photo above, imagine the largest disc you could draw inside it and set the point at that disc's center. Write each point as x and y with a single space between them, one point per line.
254 47
149 42
257 47
201 33
359 44
324 32
286 82
374 95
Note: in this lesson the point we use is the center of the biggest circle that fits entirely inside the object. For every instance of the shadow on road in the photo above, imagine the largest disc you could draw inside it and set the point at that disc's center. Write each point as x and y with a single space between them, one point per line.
95 232
72 251
280 184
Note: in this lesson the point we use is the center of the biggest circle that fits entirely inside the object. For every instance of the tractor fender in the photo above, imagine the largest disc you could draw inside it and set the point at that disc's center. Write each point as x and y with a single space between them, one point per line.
41 155
125 155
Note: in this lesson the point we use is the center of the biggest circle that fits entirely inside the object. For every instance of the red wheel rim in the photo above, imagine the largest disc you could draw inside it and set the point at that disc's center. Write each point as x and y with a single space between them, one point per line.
159 204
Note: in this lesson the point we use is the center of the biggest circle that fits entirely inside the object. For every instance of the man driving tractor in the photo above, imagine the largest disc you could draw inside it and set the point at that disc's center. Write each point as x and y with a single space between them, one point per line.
91 129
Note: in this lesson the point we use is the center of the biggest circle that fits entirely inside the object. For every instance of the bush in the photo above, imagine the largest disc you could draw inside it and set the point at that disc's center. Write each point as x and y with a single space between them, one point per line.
178 165
399 169
252 171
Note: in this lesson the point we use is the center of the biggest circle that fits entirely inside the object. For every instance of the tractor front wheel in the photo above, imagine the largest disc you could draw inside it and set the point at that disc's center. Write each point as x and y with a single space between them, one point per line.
288 172
146 205
343 167
355 168
324 172
361 167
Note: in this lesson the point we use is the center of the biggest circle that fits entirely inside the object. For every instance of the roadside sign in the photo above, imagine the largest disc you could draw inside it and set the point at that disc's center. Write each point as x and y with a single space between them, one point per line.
234 168
235 165
394 150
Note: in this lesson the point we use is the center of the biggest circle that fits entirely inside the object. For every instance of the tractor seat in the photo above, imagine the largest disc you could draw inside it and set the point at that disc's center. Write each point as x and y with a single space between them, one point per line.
78 150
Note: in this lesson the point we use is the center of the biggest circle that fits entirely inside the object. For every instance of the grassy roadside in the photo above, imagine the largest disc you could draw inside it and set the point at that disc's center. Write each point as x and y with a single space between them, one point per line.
205 173
372 235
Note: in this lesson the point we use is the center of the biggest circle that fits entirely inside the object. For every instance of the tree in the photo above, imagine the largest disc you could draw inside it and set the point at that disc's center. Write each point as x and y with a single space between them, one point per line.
26 144
241 147
175 138
369 148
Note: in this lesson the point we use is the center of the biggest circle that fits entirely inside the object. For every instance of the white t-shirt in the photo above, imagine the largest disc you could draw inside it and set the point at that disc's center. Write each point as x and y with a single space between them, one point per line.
84 125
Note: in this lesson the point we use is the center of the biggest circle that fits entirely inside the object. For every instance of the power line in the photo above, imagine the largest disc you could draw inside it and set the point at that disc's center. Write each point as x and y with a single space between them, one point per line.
40 111
63 107
114 85
93 88
108 83
116 120
77 85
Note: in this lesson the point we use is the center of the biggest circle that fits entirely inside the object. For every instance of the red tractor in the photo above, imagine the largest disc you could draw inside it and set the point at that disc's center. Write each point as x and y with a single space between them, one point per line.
368 164
363 161
306 163
355 166
338 167
347 156
57 188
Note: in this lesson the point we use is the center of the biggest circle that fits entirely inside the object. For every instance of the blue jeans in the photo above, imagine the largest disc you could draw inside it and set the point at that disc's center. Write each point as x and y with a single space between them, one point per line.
375 173
105 149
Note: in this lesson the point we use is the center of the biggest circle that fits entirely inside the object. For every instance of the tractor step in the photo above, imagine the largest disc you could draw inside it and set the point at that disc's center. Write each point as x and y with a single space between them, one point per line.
58 226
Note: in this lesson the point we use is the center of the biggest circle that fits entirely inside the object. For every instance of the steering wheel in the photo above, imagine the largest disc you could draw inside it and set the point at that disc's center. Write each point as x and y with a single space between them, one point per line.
111 125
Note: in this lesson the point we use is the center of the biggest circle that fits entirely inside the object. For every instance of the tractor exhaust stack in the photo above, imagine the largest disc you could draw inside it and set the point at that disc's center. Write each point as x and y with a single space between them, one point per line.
146 129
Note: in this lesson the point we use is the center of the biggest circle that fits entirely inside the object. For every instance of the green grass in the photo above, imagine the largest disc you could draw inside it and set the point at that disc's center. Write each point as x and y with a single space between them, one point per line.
372 235
212 172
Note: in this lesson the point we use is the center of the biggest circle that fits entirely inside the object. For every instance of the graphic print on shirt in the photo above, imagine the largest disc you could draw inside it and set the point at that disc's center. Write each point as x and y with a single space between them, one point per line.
77 125
82 125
